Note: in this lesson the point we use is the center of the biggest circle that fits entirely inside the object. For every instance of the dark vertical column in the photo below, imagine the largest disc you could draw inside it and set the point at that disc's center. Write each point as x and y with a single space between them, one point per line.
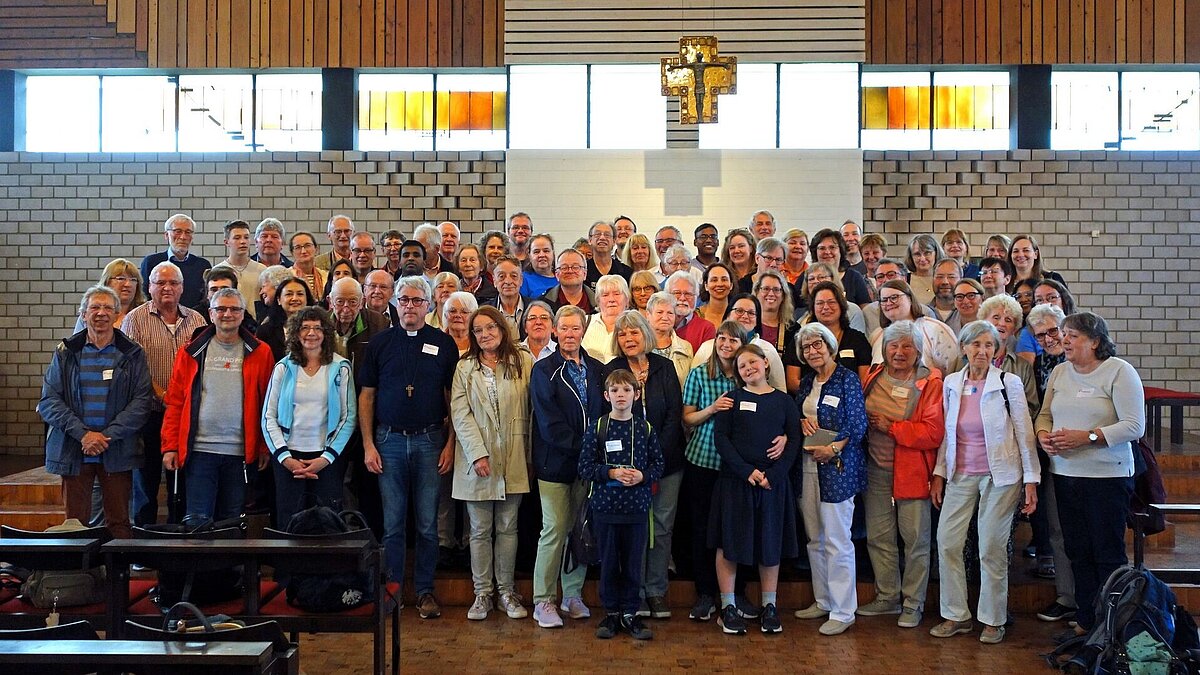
1030 108
12 111
339 108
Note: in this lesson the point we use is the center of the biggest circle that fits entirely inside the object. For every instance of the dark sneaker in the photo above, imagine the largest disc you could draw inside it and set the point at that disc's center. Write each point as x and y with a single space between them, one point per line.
447 558
658 607
428 606
608 627
731 621
633 624
770 619
745 608
704 608
1056 612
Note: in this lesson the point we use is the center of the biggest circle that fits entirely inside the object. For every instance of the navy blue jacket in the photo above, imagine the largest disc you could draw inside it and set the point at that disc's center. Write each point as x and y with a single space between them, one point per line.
559 417
849 419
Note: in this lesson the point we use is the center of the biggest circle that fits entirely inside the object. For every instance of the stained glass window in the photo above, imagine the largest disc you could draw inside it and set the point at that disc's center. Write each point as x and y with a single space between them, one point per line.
896 111
471 111
1160 111
970 110
1084 110
395 112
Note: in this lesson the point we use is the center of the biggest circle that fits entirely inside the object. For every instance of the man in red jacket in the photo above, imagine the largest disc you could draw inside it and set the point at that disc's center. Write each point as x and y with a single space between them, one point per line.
212 426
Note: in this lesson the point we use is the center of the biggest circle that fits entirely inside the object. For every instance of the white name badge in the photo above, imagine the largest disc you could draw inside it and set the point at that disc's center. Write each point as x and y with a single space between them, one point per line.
846 354
1086 392
748 406
106 374
831 400
970 391
899 392
432 350
612 446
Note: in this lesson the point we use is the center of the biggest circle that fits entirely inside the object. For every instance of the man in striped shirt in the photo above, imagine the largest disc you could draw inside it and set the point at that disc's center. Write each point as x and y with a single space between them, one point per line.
161 327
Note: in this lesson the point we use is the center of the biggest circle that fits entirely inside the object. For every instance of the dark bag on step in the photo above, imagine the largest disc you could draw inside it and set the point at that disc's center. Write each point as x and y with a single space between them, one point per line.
331 592
47 589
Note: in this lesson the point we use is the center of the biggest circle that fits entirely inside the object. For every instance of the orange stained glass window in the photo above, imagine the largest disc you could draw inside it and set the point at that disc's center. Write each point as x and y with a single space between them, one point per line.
980 107
414 110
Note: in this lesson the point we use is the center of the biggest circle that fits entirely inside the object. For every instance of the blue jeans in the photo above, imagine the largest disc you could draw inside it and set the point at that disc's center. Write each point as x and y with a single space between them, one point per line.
216 485
410 468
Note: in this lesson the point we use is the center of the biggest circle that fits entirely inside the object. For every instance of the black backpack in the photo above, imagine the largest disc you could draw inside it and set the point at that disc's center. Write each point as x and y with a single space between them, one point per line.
331 592
199 587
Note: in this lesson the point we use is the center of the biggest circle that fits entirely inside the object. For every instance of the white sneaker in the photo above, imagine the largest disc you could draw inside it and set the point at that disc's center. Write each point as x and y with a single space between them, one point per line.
909 618
879 607
835 627
510 602
813 611
575 608
480 608
547 616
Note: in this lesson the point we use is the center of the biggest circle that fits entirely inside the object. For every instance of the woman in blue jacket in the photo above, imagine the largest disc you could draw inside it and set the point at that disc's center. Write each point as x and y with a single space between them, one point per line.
832 470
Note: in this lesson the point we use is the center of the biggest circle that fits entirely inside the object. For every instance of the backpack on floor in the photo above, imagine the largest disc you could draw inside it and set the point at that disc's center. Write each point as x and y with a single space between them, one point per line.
1135 630
329 592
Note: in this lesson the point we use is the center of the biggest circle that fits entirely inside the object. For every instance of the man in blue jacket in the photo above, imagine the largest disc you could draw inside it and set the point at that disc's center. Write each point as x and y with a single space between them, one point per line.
96 396
567 392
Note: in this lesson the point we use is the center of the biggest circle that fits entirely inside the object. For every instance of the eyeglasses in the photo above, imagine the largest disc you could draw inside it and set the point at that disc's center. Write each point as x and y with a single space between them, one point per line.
1025 295
303 247
1047 299
818 279
770 290
570 268
664 242
1052 333
887 276
227 310
121 280
406 301
707 237
362 250
536 317
643 289
778 260
967 296
310 329
686 295
890 299
344 302
826 303
738 311
484 329
814 346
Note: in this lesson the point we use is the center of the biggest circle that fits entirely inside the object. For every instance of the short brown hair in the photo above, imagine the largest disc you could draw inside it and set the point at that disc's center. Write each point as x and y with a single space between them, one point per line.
621 376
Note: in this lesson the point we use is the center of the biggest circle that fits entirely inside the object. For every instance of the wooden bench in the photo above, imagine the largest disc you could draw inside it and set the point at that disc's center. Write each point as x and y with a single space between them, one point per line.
1168 575
265 600
1156 399
34 657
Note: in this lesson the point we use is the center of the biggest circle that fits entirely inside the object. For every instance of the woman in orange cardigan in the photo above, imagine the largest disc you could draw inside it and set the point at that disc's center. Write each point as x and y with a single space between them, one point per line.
904 408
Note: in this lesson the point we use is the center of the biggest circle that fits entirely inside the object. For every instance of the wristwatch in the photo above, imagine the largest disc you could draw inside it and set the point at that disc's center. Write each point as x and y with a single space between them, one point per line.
1093 436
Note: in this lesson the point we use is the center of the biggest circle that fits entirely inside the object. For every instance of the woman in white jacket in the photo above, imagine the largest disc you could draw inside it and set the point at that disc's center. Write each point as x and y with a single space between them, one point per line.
987 458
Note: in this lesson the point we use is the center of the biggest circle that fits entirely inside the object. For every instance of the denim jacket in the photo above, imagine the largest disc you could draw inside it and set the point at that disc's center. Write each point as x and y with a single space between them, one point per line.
848 418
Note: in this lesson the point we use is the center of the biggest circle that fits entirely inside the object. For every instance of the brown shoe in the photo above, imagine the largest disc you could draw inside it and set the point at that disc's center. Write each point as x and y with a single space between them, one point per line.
428 606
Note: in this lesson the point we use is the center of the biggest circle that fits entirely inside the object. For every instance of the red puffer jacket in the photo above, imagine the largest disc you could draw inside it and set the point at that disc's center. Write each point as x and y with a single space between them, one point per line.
917 438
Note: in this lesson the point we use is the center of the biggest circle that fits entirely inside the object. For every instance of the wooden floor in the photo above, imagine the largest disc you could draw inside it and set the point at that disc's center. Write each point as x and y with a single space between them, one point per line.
452 644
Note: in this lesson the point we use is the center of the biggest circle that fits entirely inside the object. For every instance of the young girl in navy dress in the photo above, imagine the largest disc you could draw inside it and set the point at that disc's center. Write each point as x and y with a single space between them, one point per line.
753 520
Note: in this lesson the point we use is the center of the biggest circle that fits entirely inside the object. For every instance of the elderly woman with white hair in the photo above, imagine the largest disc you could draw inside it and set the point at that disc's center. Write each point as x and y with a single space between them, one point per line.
677 259
907 422
661 315
1004 313
985 462
831 472
443 284
456 315
612 298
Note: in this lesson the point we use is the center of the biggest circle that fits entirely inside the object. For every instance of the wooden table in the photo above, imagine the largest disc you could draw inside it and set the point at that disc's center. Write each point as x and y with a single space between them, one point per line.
50 554
59 656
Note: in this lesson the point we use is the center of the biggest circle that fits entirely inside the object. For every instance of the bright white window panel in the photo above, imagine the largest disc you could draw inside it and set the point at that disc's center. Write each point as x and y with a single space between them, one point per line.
1161 111
628 108
62 114
745 120
547 107
139 113
819 105
1084 110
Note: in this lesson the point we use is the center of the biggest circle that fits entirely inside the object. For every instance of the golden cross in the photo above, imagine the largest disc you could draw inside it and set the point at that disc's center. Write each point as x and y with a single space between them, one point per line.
697 75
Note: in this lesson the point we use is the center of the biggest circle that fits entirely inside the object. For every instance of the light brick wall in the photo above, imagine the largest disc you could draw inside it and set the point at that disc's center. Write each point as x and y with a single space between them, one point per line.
63 217
1140 273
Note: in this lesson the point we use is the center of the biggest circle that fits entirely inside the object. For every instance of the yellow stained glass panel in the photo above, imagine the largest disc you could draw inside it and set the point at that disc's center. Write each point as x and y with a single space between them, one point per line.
394 106
875 107
499 110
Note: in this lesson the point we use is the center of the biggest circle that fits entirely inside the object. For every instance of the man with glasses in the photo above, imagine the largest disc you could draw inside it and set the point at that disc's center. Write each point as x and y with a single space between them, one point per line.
377 288
212 429
237 243
994 275
707 241
392 240
160 326
601 238
96 396
362 254
407 370
268 241
540 275
178 230
570 289
946 275
686 291
339 229
354 326
769 254
539 330
519 230
625 228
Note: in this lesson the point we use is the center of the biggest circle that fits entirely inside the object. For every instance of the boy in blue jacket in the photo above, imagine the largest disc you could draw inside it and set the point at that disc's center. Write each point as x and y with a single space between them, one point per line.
622 458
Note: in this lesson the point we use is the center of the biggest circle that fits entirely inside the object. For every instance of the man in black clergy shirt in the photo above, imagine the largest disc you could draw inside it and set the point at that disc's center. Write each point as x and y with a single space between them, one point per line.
407 370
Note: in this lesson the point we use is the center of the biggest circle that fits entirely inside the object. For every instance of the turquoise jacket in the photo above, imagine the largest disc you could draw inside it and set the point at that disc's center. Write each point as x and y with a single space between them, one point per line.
280 408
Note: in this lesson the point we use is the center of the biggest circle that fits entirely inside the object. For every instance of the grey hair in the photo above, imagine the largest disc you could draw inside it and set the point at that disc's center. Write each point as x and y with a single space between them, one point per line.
660 297
349 283
768 244
451 224
633 319
274 275
609 281
167 264
677 250
815 328
415 282
975 329
269 224
592 229
682 276
834 277
100 289
570 310
428 235
438 279
765 213
464 298
1045 312
1002 302
905 329
540 303
178 216
227 293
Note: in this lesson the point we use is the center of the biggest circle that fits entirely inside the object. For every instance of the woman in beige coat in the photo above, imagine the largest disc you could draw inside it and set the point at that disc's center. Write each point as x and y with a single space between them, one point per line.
490 408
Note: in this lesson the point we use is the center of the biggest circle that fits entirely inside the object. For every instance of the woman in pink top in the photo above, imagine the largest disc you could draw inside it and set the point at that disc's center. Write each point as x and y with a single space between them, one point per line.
985 460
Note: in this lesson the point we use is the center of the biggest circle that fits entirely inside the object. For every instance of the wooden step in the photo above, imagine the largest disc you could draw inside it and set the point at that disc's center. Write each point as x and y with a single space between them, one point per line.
34 486
1164 540
1174 461
36 517
1183 487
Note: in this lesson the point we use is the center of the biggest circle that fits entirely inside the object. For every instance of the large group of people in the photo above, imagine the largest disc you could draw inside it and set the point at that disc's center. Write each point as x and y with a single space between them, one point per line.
765 388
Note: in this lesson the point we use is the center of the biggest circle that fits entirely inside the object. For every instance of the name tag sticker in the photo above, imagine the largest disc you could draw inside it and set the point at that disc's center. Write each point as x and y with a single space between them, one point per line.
1086 392
899 392
831 400
106 374
748 406
612 446
846 354
432 350
970 391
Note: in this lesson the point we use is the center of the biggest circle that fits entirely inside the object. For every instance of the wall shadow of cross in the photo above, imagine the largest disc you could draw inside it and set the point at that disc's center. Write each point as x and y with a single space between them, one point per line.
682 175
